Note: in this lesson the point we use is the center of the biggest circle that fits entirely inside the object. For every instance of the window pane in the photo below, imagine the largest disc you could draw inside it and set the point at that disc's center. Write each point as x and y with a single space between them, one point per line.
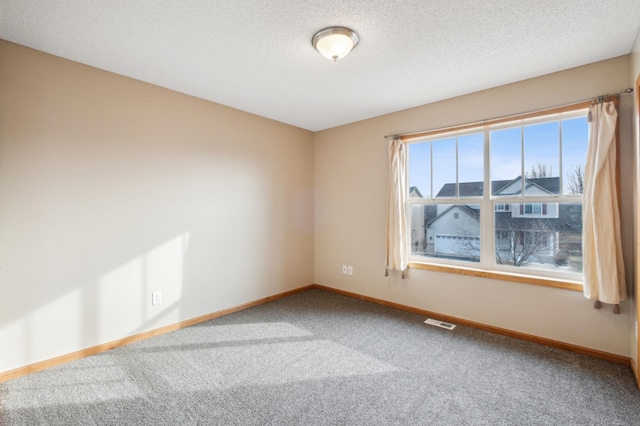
551 241
541 158
506 160
420 170
418 226
575 139
471 165
450 231
444 167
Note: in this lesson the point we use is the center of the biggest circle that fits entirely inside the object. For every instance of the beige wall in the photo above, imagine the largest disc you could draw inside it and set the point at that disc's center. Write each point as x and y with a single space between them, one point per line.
111 188
351 178
635 73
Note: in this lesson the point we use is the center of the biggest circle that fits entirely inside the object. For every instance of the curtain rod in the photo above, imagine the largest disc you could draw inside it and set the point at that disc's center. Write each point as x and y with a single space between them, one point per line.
598 99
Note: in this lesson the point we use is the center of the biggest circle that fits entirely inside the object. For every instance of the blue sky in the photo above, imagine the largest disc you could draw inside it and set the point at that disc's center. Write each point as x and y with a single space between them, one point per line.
541 146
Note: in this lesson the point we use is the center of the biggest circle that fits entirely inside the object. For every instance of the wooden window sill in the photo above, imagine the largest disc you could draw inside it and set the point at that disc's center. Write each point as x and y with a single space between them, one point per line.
505 276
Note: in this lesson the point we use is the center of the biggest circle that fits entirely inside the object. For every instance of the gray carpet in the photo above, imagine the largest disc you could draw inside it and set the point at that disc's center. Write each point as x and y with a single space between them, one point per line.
317 358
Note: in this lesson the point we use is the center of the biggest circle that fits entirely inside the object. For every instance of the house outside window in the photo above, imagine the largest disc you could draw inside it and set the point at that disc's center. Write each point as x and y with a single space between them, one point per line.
527 173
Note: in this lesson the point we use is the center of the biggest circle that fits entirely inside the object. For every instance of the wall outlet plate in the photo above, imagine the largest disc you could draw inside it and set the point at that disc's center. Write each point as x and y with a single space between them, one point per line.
344 269
156 297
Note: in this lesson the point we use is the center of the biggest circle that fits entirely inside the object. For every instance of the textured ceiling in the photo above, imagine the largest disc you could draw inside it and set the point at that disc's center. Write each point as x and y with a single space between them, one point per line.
256 55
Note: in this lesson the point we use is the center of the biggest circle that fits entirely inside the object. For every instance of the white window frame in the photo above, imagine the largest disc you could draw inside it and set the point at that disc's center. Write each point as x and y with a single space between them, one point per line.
489 205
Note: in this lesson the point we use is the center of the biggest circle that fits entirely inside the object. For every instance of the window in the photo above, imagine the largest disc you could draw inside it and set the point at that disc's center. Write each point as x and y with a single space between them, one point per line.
527 173
533 209
444 167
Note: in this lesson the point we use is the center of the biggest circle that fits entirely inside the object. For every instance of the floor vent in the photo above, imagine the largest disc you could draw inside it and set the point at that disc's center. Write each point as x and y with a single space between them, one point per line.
440 324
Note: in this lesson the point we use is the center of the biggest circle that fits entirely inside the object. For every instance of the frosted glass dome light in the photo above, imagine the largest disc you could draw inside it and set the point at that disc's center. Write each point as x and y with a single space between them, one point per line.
335 42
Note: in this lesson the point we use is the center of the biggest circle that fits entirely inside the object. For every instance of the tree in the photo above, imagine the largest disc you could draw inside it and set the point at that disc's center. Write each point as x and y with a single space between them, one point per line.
467 245
575 180
520 239
542 170
516 246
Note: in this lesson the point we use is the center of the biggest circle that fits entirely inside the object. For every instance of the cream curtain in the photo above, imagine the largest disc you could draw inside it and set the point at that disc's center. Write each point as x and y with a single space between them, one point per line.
397 226
604 279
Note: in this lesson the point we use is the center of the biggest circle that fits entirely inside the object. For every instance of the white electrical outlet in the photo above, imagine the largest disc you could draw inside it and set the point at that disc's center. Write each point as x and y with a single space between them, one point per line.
344 269
349 270
156 298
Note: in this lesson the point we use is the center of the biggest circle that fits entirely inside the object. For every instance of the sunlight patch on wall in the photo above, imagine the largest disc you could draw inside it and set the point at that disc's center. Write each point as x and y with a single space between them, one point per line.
125 292
120 298
164 271
38 340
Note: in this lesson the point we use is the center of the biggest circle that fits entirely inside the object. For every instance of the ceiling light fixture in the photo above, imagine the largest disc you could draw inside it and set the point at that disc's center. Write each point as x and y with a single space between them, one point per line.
335 42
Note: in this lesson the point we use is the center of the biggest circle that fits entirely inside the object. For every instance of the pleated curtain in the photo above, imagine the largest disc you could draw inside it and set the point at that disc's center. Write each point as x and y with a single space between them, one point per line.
397 224
603 266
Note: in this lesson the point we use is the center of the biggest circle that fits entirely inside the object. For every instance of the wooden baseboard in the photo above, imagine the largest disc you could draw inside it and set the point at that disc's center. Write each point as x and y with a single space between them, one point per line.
42 365
503 331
